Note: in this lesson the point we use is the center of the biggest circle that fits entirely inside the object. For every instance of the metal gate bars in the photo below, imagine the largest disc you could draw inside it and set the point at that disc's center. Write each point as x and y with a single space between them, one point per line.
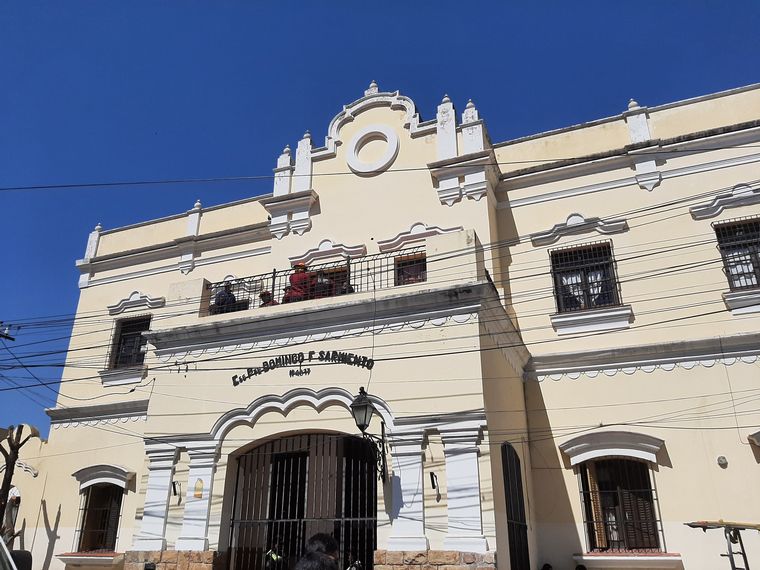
288 489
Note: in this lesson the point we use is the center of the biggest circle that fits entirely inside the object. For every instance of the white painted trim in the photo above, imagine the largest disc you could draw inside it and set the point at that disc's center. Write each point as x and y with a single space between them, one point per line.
743 302
327 249
103 473
417 232
318 400
602 444
368 133
740 195
613 318
611 562
123 376
136 300
91 559
577 224
621 182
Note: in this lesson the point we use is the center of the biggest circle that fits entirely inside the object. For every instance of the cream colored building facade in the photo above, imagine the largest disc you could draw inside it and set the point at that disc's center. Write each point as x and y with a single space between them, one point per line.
559 335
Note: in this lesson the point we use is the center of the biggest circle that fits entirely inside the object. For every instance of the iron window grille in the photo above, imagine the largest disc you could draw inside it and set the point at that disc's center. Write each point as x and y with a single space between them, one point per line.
739 246
99 517
128 347
584 277
620 507
350 275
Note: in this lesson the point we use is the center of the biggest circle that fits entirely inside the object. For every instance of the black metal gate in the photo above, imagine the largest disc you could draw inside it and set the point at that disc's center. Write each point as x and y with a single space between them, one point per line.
291 488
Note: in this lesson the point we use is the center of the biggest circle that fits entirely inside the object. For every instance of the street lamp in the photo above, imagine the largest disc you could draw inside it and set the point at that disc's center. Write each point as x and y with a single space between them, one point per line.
362 409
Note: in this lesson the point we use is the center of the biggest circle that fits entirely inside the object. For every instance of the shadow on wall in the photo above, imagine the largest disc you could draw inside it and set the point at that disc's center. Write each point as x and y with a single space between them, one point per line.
392 497
756 452
52 534
557 538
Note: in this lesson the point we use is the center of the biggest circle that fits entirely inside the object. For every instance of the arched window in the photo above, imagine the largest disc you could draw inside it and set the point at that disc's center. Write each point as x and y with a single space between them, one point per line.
619 499
102 488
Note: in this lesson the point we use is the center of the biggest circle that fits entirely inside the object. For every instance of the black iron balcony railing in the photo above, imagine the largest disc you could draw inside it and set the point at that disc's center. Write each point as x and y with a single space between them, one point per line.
367 273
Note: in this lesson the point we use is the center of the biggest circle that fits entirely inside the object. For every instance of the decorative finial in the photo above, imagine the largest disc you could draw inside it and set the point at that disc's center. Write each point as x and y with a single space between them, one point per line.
632 104
446 99
470 104
197 204
98 227
372 89
306 135
286 150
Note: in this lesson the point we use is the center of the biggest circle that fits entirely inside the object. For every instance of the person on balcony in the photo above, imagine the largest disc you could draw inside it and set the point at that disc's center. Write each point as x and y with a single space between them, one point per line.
323 286
224 299
266 299
300 284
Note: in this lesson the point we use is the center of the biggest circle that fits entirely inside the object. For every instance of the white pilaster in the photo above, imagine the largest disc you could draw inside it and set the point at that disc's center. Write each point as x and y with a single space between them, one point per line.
648 175
302 173
409 526
200 481
465 531
162 459
187 247
90 251
446 130
283 174
638 122
473 139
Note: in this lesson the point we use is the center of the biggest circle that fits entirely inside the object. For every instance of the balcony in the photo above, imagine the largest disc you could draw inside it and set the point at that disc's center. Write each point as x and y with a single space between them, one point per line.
318 281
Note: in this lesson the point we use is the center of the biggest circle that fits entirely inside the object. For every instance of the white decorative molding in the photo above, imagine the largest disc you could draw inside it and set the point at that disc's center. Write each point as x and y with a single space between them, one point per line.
25 467
742 302
648 175
367 134
319 400
327 249
119 412
122 376
304 337
283 174
602 444
740 195
75 559
162 459
290 213
474 137
662 561
577 224
184 250
93 240
725 351
303 169
612 318
528 180
417 232
103 473
478 171
372 99
136 300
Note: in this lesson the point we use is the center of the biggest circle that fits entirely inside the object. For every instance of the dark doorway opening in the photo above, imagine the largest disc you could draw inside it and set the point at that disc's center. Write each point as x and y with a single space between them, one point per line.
294 487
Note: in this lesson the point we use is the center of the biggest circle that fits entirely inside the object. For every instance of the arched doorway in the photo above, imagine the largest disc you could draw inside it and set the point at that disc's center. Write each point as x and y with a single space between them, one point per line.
290 488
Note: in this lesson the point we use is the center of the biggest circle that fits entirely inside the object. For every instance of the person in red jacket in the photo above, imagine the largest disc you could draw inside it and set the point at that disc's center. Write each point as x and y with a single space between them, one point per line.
300 284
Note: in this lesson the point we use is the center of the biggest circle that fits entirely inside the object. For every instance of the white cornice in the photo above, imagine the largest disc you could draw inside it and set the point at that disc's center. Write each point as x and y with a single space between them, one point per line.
184 247
604 319
122 376
118 412
136 300
646 358
299 323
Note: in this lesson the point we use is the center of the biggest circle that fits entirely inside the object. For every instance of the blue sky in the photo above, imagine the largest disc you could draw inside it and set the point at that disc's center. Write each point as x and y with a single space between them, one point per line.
101 91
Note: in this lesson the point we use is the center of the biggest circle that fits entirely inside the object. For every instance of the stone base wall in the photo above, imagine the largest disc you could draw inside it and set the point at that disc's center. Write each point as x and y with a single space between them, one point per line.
434 560
174 560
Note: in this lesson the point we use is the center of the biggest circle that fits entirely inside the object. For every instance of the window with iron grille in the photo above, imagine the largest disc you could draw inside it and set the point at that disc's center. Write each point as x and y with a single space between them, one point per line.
129 344
584 277
99 515
739 245
619 506
411 269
